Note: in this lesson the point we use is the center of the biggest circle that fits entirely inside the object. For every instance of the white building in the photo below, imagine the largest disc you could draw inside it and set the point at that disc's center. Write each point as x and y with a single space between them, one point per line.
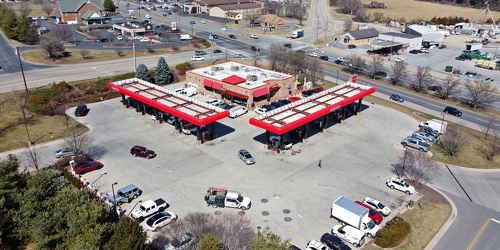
429 36
409 42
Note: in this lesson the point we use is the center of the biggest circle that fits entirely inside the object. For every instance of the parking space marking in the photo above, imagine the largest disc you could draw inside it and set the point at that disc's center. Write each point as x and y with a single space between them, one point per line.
383 198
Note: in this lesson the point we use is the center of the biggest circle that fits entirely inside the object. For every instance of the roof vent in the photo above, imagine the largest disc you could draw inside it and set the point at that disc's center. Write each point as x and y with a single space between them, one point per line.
235 68
216 68
251 78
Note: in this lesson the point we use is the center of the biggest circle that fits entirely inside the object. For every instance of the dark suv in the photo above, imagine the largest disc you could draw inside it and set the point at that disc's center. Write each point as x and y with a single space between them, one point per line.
142 152
334 242
81 110
452 110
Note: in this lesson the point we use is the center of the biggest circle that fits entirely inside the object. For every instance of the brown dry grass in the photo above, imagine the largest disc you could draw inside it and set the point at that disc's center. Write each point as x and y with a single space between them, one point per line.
38 129
36 9
415 10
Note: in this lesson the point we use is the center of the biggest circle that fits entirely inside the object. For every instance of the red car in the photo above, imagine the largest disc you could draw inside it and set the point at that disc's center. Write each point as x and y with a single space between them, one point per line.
373 214
351 46
86 166
293 98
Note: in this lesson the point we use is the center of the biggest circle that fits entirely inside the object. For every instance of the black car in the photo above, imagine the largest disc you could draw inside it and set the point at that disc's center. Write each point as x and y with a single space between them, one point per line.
413 51
338 62
300 51
216 51
285 101
397 98
81 110
307 93
452 110
255 48
381 73
232 36
277 104
288 45
334 242
324 58
268 107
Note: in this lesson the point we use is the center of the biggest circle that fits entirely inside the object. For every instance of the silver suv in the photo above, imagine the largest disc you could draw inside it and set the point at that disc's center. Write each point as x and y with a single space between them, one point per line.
415 143
65 152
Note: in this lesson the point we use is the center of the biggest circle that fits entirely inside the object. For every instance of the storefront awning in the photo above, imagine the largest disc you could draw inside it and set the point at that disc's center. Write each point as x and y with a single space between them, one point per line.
260 92
242 96
216 85
274 87
207 83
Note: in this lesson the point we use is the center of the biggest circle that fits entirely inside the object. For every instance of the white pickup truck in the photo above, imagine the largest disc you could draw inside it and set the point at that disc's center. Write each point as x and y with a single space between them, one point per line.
189 128
149 208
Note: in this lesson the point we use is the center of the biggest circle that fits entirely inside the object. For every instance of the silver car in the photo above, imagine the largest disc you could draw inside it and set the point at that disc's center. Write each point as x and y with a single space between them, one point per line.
421 134
65 152
415 143
246 157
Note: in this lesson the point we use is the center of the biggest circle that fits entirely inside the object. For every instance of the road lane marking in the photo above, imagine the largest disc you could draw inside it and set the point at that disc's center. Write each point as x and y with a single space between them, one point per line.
473 242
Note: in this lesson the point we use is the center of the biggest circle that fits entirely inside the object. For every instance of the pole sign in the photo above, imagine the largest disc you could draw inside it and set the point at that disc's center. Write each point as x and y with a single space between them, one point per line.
174 26
354 78
131 12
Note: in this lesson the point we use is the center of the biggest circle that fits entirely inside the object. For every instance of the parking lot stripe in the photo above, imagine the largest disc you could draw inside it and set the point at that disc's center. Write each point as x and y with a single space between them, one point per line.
383 198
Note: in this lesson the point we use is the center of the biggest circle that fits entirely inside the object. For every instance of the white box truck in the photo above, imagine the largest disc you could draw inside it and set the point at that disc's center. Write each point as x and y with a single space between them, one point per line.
438 125
350 213
185 37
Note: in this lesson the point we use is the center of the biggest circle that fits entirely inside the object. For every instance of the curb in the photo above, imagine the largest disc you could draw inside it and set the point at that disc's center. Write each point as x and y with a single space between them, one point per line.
451 219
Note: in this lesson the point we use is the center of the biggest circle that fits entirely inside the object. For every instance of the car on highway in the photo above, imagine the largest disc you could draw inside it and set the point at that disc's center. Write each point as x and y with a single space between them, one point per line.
86 166
324 58
239 55
260 111
246 157
147 16
288 45
160 220
253 48
232 36
397 98
401 185
202 21
415 143
413 51
142 152
137 37
372 214
254 36
377 205
217 51
452 110
200 52
312 54
223 28
339 62
341 59
81 110
197 58
399 59
145 39
66 152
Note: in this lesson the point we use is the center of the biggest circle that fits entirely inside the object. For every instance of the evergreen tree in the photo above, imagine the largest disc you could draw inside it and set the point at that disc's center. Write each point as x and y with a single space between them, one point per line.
8 22
210 241
26 33
142 73
269 241
128 234
109 6
163 74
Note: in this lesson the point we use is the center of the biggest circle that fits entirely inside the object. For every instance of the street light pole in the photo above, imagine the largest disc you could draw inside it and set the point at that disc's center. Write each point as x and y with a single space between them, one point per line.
135 59
113 188
97 179
134 206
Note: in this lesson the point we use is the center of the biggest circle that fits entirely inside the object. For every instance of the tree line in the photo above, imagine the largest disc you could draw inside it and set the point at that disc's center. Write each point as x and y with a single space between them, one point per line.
17 27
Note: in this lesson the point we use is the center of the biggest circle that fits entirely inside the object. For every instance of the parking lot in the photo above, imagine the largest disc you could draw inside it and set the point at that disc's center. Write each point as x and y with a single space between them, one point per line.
356 161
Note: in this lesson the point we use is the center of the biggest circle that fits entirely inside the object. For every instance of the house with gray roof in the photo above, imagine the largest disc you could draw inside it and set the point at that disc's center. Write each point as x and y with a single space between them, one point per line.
359 37
80 11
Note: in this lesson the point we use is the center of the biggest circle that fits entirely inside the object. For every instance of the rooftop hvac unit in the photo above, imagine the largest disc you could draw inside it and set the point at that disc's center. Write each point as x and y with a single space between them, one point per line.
263 74
216 68
247 70
251 78
235 68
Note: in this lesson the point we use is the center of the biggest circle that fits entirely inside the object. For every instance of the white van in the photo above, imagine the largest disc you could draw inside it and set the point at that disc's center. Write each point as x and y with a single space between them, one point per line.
349 234
237 111
189 91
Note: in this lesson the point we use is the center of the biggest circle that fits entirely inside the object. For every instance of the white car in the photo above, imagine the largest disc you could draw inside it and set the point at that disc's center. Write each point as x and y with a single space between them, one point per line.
349 234
119 38
316 245
254 36
377 205
341 59
214 101
197 58
276 140
399 59
224 28
313 54
147 16
260 111
138 37
160 220
145 39
401 185
202 21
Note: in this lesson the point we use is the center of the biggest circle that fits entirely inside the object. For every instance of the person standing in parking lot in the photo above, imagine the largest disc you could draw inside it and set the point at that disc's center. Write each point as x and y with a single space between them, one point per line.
319 164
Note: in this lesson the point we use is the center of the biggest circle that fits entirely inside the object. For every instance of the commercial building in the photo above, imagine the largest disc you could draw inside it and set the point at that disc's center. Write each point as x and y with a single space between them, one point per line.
360 37
409 42
248 85
79 11
429 36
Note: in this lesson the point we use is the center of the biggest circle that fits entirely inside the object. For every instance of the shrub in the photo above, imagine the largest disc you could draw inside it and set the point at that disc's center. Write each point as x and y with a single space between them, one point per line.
183 67
123 76
61 87
394 232
206 44
79 29
91 98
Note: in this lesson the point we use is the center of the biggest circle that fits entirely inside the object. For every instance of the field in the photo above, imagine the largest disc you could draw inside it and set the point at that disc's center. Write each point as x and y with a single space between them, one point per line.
414 10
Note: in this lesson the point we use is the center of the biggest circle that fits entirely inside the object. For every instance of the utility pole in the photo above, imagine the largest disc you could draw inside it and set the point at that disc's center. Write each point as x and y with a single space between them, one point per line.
22 70
135 60
326 27
317 29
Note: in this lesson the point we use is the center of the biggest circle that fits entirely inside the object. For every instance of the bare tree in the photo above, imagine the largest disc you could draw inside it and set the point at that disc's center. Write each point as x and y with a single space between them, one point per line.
419 167
423 79
480 93
488 128
350 7
24 9
52 45
399 72
272 7
355 63
38 2
127 38
84 53
456 138
490 148
314 70
376 65
111 37
119 52
449 87
47 7
63 32
274 55
22 104
283 56
32 156
255 58
378 16
251 15
76 140
347 25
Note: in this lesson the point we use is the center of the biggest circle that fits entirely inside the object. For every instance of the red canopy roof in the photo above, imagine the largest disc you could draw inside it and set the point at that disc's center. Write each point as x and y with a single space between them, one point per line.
242 96
261 92
207 83
234 79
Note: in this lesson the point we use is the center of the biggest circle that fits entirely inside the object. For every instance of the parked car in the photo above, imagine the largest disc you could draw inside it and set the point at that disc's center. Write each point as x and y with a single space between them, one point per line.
277 104
253 48
197 58
377 205
217 51
160 220
285 101
421 137
81 110
397 98
276 140
183 242
293 98
435 88
316 245
246 157
307 93
288 45
415 143
119 38
431 138
142 152
65 152
430 131
452 110
260 111
86 166
401 185
300 51
448 69
349 234
214 101
232 36
424 50
339 62
351 46
147 16
268 107
334 242
254 36
373 214
324 58
413 51
399 59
